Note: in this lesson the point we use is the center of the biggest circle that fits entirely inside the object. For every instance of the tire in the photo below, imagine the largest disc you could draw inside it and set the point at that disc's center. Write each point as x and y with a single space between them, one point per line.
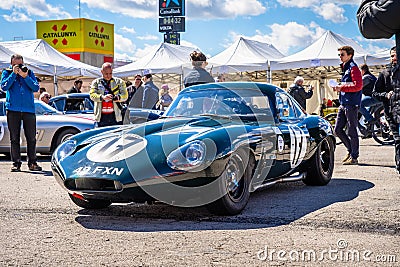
90 203
320 169
382 133
235 194
65 135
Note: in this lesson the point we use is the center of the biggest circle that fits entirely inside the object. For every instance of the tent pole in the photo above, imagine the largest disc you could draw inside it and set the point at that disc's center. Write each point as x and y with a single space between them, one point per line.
55 81
269 73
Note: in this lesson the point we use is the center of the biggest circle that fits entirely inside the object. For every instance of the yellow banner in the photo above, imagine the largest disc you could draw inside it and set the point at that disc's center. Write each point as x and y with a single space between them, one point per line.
77 35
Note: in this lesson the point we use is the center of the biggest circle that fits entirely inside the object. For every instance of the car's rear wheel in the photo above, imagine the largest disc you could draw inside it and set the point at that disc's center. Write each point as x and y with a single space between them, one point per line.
321 164
90 203
234 185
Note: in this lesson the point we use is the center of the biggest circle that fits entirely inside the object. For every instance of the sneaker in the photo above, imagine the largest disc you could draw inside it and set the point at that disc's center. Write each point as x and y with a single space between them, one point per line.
16 167
351 161
34 167
346 158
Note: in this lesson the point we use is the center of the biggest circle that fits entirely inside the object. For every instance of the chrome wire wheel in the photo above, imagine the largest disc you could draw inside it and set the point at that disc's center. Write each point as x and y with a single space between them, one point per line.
234 178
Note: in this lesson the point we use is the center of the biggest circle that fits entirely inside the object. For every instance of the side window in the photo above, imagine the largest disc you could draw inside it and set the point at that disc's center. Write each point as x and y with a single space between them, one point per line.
88 104
59 104
285 108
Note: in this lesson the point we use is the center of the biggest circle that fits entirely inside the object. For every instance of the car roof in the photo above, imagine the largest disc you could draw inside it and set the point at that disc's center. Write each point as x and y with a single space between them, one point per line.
73 95
266 88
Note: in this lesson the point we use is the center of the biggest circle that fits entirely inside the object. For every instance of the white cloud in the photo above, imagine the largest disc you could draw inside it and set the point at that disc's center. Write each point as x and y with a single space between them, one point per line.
128 30
221 9
35 8
132 8
148 37
332 12
203 9
299 3
243 8
16 17
146 50
123 46
286 37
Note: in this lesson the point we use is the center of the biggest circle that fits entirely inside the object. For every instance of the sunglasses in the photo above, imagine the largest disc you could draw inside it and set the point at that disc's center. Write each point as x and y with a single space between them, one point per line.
341 54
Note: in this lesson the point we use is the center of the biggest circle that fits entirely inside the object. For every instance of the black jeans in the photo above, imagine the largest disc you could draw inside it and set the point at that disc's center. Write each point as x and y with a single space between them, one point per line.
14 119
107 120
348 116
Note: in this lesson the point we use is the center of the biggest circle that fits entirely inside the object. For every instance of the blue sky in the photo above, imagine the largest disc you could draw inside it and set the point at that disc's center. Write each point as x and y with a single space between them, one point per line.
211 25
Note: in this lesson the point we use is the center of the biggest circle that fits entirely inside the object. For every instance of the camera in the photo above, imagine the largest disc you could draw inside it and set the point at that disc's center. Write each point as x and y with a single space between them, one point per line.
23 68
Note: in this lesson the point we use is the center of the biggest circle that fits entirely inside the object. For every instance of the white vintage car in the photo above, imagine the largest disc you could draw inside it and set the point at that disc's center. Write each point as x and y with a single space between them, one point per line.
52 128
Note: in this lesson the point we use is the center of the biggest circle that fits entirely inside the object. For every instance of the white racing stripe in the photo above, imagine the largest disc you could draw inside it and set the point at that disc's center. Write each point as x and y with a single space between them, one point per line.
298 145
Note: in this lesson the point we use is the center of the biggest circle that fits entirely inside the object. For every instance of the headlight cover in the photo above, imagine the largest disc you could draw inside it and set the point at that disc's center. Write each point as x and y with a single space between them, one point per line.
194 156
65 149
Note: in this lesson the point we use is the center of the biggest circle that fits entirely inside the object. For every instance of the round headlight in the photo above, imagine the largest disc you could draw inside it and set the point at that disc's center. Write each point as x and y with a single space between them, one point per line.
191 156
195 153
65 149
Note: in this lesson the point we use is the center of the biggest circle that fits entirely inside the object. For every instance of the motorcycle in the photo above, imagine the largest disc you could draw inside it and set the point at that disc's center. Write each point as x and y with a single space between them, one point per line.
380 131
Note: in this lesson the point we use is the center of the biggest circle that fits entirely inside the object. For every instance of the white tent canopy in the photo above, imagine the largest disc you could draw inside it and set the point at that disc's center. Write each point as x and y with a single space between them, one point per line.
380 58
36 66
323 52
244 55
61 65
165 58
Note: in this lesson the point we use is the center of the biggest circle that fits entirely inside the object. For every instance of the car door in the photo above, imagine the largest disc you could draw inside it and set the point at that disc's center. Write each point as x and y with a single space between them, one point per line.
292 134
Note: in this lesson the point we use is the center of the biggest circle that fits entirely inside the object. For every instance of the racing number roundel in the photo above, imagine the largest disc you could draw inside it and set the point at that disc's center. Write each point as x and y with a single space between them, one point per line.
116 148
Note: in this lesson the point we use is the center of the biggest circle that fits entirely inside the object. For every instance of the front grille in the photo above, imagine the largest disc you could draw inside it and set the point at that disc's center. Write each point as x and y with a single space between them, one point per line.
93 184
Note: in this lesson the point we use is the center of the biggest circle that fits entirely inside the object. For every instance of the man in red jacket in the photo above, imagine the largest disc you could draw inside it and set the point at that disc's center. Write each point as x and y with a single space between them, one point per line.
350 93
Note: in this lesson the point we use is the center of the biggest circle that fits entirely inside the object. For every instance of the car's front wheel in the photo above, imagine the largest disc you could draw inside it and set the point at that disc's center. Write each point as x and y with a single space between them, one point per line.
320 168
234 185
90 203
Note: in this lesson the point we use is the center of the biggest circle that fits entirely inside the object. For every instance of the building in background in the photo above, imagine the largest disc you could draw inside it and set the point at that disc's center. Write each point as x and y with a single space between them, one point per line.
88 41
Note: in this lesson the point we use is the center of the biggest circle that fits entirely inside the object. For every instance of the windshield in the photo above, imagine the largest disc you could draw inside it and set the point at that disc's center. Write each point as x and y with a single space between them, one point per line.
221 102
42 108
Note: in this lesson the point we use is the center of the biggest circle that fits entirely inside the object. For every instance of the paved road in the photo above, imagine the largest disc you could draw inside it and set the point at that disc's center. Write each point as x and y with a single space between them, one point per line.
355 220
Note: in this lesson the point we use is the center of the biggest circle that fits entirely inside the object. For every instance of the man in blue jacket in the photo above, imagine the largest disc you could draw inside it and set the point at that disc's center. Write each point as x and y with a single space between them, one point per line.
19 83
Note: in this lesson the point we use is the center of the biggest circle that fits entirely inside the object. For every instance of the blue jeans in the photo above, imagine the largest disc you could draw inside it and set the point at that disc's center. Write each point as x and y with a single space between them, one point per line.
348 116
366 102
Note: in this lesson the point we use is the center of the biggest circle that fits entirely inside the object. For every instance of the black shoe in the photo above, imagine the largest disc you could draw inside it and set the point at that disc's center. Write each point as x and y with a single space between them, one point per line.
34 167
16 167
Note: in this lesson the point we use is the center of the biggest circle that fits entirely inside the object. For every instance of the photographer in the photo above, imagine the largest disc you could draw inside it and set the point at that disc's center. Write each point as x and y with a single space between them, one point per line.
20 84
107 93
299 93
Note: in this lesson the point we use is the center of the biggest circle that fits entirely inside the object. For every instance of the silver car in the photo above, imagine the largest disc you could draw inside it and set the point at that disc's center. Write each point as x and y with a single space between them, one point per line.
52 128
